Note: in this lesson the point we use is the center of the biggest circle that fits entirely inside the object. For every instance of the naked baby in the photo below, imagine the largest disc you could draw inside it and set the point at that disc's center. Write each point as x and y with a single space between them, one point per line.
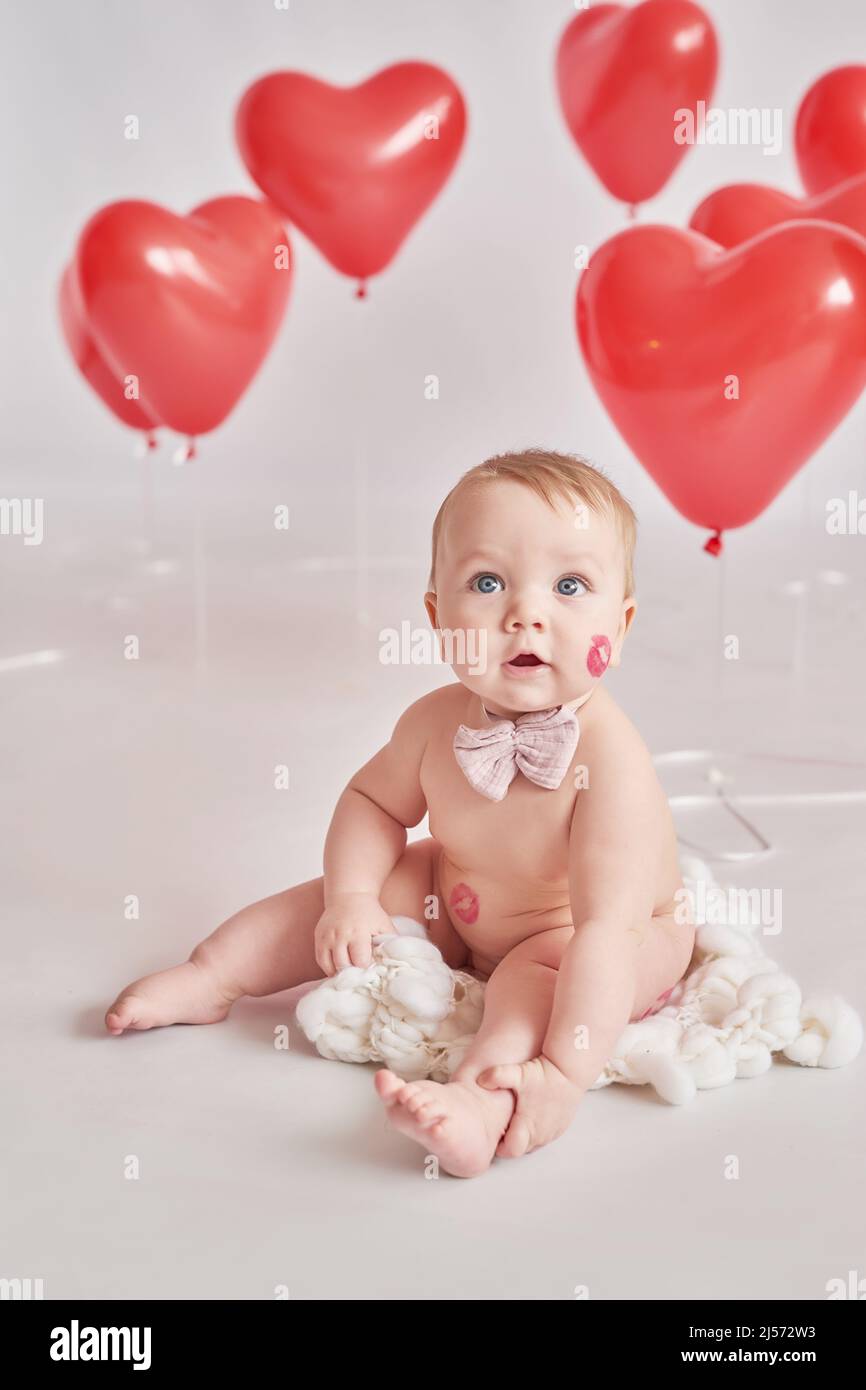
552 856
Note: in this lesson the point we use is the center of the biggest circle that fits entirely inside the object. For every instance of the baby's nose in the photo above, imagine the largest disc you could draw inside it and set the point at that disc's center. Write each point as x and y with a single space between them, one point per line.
527 609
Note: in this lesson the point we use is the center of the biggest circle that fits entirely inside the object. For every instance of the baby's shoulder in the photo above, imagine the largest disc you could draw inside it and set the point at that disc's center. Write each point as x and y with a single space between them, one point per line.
622 784
444 705
612 740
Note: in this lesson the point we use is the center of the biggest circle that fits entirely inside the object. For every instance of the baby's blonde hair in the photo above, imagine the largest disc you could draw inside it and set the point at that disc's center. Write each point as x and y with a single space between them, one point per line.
565 477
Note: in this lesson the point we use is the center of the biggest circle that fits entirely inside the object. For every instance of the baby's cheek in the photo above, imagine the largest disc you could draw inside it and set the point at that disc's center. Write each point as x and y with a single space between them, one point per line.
598 656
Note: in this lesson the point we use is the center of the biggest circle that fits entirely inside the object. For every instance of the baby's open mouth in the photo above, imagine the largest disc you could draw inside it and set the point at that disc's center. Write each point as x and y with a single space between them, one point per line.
526 659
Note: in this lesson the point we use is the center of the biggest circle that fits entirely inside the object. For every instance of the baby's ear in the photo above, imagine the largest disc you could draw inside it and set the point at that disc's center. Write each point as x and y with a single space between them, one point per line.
430 604
629 609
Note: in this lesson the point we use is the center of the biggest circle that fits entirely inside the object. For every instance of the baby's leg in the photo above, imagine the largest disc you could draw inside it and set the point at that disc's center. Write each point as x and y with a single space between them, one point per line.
461 1122
265 948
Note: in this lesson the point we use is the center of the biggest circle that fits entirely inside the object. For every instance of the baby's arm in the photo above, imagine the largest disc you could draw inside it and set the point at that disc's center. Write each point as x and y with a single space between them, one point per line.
367 833
613 872
366 838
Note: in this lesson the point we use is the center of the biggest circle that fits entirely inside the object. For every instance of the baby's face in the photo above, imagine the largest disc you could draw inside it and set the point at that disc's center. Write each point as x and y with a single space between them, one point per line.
519 577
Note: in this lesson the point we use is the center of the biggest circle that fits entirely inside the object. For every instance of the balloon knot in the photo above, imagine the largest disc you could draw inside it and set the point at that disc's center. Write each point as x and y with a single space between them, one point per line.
186 452
361 291
152 441
632 211
714 544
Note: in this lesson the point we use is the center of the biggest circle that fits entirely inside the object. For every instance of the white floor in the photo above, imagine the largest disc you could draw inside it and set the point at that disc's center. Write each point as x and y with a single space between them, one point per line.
260 1167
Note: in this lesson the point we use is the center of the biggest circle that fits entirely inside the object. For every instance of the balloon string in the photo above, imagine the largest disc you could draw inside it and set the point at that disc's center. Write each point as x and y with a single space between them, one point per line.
365 401
721 656
147 503
199 577
186 452
801 590
693 801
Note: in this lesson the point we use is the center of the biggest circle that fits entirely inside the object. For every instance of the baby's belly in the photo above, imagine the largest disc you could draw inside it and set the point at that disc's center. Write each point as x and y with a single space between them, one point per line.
493 913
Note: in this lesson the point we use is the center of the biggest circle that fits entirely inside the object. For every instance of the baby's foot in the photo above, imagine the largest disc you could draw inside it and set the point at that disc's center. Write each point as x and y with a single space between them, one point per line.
187 993
458 1122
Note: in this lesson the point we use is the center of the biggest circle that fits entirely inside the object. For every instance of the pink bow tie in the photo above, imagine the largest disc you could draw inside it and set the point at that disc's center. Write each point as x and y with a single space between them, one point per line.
540 744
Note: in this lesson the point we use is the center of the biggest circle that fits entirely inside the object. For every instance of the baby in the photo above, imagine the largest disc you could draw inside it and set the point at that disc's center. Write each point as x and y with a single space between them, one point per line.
551 867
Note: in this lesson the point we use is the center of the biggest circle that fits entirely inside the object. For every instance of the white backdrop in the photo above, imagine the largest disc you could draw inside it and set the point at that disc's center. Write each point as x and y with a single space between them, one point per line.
137 778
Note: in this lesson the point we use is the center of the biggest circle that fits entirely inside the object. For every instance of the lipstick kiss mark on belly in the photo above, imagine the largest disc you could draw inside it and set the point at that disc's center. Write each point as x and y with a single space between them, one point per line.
464 903
599 655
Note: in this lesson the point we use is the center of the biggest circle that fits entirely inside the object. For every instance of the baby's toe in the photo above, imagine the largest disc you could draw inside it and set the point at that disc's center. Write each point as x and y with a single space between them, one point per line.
410 1096
415 1099
388 1085
127 1012
428 1113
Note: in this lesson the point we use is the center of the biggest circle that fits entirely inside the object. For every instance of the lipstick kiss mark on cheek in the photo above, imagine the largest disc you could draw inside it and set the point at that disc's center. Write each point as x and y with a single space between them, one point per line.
599 655
464 903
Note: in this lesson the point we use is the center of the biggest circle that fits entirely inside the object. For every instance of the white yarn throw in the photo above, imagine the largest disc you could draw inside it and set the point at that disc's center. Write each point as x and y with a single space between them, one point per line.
733 1010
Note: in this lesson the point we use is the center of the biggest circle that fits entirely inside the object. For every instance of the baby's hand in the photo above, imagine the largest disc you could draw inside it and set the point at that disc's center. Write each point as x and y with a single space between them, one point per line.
345 931
546 1102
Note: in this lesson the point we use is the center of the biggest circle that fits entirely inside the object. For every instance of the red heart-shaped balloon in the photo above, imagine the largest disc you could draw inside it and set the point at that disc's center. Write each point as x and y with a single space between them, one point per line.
353 167
622 75
741 210
725 370
830 130
189 305
89 359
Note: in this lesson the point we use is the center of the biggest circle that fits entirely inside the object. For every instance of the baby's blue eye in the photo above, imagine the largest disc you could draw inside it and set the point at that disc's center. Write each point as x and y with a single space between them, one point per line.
483 581
570 579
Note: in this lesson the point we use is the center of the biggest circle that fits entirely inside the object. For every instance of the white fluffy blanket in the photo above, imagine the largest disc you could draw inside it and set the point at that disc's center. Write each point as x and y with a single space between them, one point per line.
726 1019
